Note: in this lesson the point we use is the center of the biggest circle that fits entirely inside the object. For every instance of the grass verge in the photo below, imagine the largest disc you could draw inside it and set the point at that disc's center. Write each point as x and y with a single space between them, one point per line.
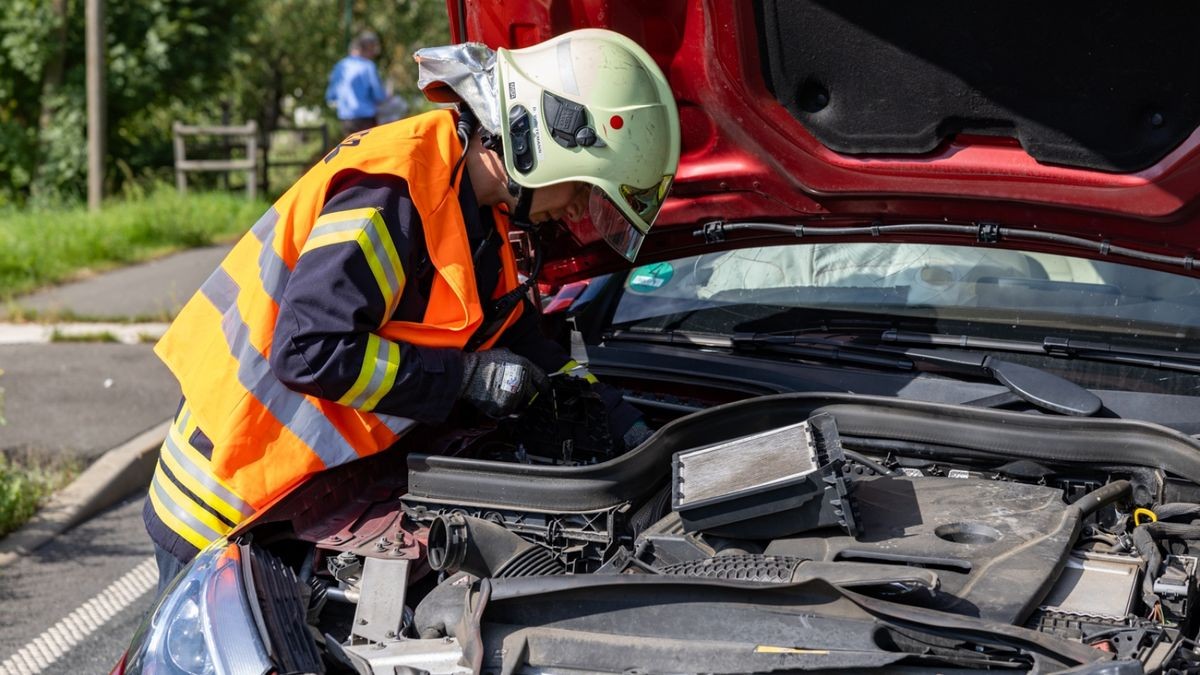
98 336
25 484
42 247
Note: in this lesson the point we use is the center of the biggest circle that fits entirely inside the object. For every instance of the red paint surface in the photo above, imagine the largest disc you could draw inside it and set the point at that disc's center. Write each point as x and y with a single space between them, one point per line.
745 158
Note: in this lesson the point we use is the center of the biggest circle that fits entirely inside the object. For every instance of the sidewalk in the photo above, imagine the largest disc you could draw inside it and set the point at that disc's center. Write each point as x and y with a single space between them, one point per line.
96 400
82 398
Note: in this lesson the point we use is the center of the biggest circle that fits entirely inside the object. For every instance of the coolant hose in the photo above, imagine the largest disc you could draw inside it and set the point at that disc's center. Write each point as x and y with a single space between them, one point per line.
1145 541
1106 494
485 549
440 611
1176 510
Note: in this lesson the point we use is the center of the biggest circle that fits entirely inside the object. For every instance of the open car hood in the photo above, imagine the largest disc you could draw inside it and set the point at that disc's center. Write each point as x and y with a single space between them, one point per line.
1063 118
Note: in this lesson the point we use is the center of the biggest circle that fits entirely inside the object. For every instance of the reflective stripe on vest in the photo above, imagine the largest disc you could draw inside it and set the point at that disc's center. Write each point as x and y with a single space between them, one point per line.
273 272
292 409
191 468
267 437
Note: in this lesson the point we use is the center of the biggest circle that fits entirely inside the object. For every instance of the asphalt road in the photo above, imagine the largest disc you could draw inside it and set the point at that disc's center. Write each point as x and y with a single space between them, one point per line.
151 291
73 605
40 590
81 399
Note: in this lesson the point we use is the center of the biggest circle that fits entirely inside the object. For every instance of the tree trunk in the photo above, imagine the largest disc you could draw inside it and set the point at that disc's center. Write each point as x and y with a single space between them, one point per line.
52 80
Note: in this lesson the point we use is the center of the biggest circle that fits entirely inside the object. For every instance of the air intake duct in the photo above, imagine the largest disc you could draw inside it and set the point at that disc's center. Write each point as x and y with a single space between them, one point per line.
485 549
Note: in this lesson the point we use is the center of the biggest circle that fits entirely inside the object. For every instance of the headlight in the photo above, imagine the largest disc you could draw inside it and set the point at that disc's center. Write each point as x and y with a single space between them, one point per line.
203 624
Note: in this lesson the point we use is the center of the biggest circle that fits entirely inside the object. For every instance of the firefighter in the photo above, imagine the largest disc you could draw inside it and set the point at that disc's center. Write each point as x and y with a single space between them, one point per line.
381 288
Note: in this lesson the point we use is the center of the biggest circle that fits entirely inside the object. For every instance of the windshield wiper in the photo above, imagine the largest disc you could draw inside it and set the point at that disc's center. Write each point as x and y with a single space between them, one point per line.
1038 387
1056 346
817 348
1033 385
984 233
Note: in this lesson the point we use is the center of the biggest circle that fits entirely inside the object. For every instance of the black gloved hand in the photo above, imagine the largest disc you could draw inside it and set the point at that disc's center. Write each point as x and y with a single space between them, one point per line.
498 382
637 434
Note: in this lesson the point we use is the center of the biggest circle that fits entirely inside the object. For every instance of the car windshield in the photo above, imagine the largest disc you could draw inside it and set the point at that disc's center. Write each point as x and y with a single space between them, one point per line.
1000 288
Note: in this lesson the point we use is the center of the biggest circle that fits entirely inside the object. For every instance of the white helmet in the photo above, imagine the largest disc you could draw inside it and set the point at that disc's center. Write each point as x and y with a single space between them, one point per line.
592 106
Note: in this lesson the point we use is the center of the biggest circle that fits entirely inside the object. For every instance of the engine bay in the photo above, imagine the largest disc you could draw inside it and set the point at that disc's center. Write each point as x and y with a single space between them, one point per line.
512 547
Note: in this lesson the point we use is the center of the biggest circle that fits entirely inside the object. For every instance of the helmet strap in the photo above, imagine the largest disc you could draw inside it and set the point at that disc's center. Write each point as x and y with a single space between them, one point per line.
520 215
491 141
466 126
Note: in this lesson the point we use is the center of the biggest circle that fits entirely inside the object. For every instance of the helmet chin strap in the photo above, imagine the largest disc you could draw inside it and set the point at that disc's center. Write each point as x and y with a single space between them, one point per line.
469 124
520 215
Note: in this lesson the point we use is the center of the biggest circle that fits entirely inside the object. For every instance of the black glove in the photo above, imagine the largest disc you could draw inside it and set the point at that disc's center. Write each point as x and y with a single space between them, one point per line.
625 422
498 382
637 434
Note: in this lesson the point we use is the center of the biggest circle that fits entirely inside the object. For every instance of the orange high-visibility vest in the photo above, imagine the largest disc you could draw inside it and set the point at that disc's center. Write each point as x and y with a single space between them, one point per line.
267 437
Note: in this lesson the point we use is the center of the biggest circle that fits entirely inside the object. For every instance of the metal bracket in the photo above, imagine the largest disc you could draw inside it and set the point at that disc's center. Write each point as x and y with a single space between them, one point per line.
713 232
379 616
989 233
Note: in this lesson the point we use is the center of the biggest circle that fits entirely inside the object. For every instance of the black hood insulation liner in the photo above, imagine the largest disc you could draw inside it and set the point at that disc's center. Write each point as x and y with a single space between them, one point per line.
1106 85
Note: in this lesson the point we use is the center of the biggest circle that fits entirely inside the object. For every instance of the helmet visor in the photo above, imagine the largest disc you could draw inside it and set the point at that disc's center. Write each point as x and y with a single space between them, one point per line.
615 225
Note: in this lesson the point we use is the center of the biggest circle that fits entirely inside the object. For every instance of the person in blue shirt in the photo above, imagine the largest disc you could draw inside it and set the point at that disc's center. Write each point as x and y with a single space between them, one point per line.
354 85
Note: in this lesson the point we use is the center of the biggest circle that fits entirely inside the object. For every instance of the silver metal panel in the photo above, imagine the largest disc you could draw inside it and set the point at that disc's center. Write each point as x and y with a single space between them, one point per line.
1095 584
439 657
745 463
379 614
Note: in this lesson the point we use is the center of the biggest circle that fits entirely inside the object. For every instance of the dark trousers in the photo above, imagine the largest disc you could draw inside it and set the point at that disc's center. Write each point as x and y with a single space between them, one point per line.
357 124
169 567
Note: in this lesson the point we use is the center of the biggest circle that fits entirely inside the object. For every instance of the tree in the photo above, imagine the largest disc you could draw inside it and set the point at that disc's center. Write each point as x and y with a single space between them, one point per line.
188 60
166 58
285 61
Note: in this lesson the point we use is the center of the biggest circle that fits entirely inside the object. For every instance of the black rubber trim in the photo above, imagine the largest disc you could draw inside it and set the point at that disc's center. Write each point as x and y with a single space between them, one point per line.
632 477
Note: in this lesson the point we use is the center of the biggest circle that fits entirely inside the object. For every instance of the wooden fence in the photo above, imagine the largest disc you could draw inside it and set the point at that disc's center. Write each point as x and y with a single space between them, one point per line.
247 133
303 163
248 136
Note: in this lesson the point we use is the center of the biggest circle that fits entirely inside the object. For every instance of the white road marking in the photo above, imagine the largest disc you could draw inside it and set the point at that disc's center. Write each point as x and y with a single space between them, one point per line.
50 646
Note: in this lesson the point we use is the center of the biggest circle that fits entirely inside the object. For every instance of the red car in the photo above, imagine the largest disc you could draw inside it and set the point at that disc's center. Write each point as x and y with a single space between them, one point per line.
916 332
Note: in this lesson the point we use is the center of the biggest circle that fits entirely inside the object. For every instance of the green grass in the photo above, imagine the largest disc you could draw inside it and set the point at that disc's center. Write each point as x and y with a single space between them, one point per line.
99 336
25 485
43 247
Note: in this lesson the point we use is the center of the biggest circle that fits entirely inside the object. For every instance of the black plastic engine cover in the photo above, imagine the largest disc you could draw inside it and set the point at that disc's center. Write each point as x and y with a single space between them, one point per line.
997 547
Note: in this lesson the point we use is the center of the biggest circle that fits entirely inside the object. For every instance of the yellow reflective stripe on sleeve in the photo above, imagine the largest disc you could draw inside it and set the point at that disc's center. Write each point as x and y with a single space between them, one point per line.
390 366
329 239
381 362
166 512
189 511
377 270
366 227
370 356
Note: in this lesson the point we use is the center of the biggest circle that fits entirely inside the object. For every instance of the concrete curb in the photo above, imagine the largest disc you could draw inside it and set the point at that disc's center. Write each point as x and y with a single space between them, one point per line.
117 474
41 333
